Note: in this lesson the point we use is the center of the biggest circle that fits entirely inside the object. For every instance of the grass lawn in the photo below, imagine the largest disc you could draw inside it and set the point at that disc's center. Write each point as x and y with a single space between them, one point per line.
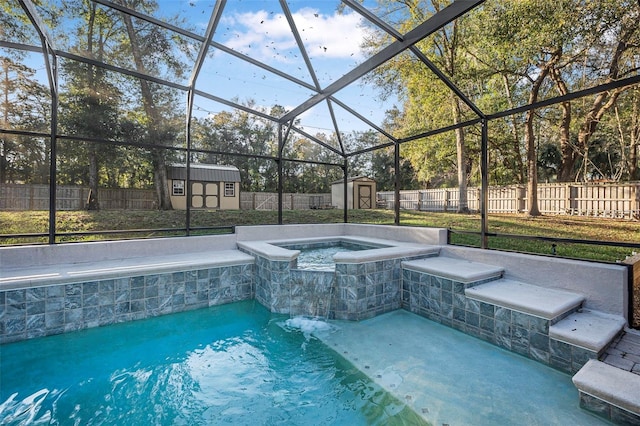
573 227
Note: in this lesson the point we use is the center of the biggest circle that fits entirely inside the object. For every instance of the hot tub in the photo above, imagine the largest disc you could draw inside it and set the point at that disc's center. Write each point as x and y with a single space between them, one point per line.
363 280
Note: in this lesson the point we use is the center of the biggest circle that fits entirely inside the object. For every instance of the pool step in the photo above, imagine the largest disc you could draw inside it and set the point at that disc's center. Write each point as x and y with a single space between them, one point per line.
459 270
543 302
610 392
588 329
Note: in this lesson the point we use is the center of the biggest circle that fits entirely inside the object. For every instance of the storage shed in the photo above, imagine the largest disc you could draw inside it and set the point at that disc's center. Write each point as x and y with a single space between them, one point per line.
361 193
213 186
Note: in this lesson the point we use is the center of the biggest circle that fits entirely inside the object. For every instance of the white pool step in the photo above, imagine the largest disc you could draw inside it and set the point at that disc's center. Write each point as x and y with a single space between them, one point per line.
543 302
460 270
588 329
613 385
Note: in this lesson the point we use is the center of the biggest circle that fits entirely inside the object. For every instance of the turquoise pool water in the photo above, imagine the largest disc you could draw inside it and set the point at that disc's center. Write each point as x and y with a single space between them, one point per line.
319 257
234 364
451 378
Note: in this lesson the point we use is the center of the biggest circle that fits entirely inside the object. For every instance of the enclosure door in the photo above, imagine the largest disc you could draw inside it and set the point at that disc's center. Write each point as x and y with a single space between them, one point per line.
364 196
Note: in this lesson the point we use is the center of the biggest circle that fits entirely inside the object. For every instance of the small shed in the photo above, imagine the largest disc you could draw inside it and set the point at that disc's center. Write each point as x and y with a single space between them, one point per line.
361 193
213 186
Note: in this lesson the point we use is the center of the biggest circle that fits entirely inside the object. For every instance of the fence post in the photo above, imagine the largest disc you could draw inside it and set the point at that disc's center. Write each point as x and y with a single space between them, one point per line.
291 201
522 196
636 214
446 200
31 189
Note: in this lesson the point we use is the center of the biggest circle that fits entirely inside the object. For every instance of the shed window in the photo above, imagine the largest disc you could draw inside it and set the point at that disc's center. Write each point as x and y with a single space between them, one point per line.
178 187
229 189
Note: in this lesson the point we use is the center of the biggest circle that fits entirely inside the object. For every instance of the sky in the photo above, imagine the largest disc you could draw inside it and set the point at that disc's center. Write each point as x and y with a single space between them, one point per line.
332 41
259 29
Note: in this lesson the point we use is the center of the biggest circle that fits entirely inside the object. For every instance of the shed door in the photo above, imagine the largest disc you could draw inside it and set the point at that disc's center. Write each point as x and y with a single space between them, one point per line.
364 196
204 195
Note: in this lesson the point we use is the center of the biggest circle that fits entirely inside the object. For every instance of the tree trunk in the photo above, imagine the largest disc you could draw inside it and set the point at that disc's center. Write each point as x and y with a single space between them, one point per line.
92 201
532 165
155 136
529 136
519 165
4 153
461 157
568 154
634 138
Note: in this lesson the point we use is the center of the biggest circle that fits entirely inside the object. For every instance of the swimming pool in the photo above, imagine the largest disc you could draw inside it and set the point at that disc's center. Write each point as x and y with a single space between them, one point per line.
235 364
240 364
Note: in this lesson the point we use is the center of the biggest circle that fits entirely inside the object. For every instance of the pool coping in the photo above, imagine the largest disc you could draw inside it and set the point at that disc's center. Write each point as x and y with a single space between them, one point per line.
390 249
18 278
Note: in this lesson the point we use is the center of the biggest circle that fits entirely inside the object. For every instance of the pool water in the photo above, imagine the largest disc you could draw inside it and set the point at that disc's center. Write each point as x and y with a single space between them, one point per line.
319 259
451 378
320 256
235 364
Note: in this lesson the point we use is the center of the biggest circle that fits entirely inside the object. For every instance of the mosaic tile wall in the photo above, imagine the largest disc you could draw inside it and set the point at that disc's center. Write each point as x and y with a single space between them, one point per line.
55 309
272 283
608 411
443 300
312 293
364 290
360 291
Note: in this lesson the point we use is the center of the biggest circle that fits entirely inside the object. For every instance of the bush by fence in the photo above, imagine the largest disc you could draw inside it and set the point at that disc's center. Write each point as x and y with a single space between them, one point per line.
620 200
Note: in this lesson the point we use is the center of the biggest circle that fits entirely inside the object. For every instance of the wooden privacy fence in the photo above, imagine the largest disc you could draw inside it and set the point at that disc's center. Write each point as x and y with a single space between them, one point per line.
603 200
620 200
36 197
290 201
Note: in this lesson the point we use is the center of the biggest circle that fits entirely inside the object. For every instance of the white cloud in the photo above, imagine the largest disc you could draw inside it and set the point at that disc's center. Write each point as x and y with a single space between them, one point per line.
267 36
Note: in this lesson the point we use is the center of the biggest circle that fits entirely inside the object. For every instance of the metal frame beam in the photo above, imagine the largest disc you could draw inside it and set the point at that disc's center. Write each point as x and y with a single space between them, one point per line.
367 14
318 141
51 64
301 47
434 23
216 14
362 118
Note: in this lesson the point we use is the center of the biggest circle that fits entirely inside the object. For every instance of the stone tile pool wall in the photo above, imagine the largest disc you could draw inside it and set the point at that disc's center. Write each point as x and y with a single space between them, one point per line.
356 291
41 311
364 290
443 300
312 293
272 283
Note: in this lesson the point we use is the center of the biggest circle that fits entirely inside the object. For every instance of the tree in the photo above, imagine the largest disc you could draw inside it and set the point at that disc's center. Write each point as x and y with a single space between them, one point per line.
25 106
90 107
428 103
622 38
522 44
150 47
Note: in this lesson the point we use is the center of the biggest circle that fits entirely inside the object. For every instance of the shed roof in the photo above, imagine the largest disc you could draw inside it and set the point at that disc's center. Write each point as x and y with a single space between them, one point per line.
354 179
205 172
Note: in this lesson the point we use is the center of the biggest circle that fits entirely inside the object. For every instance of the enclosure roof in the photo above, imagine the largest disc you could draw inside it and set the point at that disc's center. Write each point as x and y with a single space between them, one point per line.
307 65
306 57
